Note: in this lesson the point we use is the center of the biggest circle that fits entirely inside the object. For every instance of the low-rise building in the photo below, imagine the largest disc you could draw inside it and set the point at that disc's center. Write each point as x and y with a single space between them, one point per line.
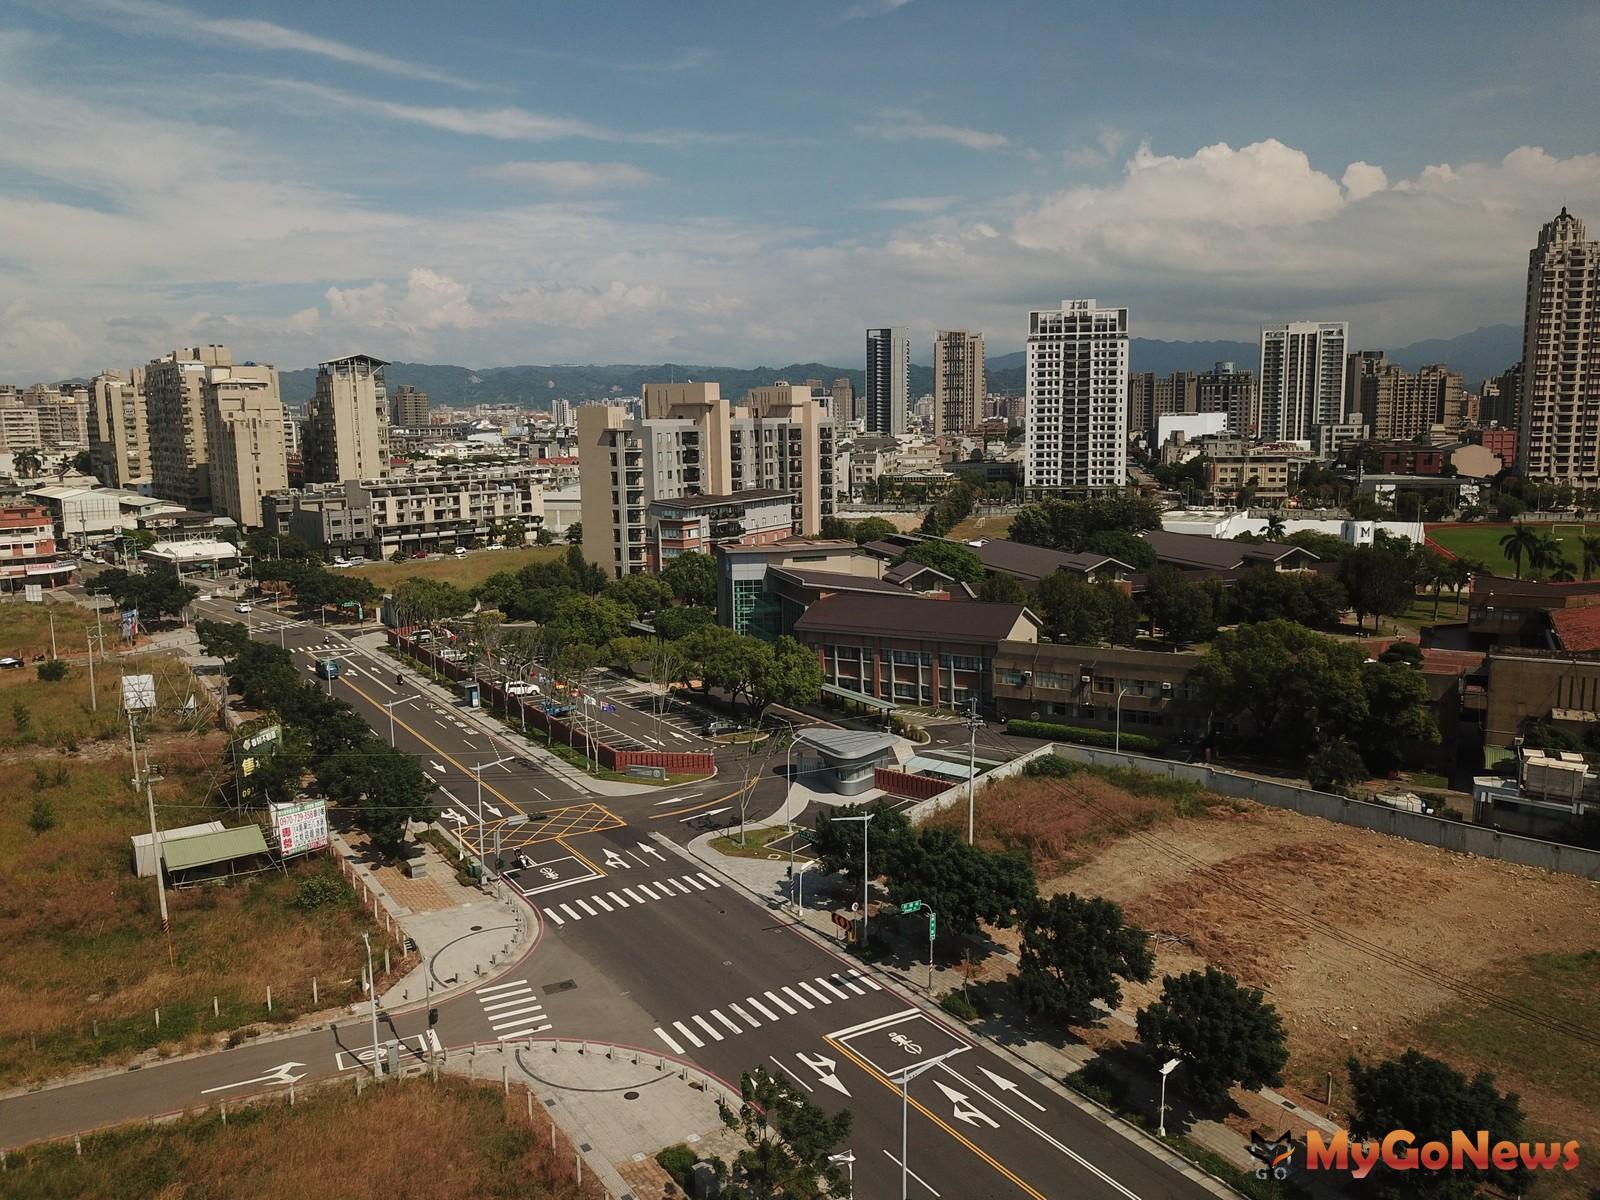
1502 443
1408 459
1269 470
701 523
441 510
1157 692
1194 552
28 548
751 599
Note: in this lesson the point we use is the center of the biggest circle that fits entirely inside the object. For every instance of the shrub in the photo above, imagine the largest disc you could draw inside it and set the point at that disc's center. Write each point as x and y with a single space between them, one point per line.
1051 766
1136 742
677 1161
958 1005
1099 1082
21 715
43 817
53 671
318 891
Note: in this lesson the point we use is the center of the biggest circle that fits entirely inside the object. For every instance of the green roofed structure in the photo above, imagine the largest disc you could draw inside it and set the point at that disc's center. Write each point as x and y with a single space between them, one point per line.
186 858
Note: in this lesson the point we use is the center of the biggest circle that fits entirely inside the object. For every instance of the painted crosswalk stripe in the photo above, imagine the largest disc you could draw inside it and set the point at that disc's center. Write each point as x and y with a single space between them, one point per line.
584 905
637 899
621 903
695 883
851 984
571 912
761 1008
600 902
501 987
665 1037
796 997
688 1033
837 991
645 889
679 886
509 1000
523 1016
715 1033
554 916
725 1021
871 983
781 1003
708 879
521 1033
745 1017
820 995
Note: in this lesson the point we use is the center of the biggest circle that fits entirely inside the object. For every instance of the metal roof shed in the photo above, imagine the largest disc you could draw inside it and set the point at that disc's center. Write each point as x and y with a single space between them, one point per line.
207 849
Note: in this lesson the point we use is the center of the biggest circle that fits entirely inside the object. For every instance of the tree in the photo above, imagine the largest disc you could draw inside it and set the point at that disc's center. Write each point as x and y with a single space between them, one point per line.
1076 611
679 622
838 843
1183 610
1522 542
1275 525
383 789
871 529
428 601
1591 554
1226 1034
692 578
592 620
575 534
641 594
1335 763
1068 524
1073 951
222 639
1432 1099
789 1142
26 463
963 884
1378 580
1003 589
1399 714
1305 597
1123 546
155 593
791 675
959 562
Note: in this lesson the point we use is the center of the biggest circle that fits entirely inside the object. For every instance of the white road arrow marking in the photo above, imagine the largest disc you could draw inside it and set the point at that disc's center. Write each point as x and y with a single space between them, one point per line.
436 766
282 1073
613 859
451 814
965 1111
491 808
652 850
1006 1085
826 1070
703 816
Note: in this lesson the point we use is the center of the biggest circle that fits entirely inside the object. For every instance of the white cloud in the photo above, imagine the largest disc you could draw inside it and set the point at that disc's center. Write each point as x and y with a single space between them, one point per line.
901 125
915 204
568 176
1363 179
873 8
150 16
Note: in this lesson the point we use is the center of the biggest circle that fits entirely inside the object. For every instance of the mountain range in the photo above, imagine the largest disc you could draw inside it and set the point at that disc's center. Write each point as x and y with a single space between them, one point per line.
1481 353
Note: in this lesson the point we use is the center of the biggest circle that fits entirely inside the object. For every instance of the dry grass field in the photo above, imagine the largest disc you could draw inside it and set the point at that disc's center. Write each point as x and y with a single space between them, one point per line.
1366 944
409 1138
465 571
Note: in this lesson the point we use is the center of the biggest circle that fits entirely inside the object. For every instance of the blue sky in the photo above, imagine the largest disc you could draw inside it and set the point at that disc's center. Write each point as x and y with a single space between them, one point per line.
744 183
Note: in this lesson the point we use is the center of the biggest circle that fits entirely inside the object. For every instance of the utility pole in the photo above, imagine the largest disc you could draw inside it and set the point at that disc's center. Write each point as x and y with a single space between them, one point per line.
155 834
866 824
372 982
52 617
94 701
973 725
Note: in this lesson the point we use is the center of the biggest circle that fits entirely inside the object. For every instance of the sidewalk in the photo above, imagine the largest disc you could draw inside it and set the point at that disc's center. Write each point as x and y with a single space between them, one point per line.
617 1105
486 722
769 881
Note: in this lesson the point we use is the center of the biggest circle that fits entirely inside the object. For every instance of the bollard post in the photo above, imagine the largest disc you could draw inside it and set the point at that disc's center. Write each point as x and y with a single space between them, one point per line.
313 989
269 999
386 960
96 1030
77 1145
579 1157
505 1079
530 1106
216 1009
158 1018
224 1104
291 1095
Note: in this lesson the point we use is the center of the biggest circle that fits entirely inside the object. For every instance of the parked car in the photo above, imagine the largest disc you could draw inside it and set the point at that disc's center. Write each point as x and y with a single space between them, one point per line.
716 726
461 550
452 655
242 607
521 687
357 560
340 562
10 664
421 636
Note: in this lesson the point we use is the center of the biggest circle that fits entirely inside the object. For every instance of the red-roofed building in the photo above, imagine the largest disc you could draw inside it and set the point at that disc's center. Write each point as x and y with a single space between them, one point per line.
1576 629
28 549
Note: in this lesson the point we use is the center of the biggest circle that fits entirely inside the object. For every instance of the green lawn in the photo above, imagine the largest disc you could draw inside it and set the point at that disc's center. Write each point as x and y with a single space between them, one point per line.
463 570
1482 542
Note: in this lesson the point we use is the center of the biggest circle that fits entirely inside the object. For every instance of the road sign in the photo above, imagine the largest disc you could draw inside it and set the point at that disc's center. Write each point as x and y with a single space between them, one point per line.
911 906
933 924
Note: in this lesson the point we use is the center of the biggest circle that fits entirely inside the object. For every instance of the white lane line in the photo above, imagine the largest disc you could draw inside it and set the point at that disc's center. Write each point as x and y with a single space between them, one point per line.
501 987
781 1003
665 1037
866 979
568 909
878 1022
581 904
600 902
795 996
791 1074
688 1033
679 886
621 903
648 892
715 1033
839 992
912 1173
761 1008
693 882
745 1017
820 995
511 1037
852 985
725 1021
708 879
637 899
554 916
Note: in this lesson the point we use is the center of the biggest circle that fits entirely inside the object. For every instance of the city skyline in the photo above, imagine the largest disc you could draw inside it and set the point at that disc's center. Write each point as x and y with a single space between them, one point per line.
590 194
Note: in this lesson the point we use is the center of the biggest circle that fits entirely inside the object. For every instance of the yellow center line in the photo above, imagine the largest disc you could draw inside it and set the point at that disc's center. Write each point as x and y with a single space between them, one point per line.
939 1121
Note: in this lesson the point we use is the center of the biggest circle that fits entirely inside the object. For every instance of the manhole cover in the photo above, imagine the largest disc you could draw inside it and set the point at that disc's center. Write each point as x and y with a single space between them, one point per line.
477 928
586 1148
565 985
630 1095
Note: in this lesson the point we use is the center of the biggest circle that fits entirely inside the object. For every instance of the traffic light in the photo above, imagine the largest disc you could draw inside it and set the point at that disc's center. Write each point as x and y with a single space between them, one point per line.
433 1017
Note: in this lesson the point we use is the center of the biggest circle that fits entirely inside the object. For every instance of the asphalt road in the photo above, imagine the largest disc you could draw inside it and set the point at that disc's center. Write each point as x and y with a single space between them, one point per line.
638 944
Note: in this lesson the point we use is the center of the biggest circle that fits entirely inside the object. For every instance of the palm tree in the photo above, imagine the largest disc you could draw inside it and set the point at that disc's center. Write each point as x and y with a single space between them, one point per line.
1520 542
1275 525
1563 573
26 463
1591 554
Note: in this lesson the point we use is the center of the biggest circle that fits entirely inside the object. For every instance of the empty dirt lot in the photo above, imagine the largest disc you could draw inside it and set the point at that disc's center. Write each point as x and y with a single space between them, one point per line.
1367 944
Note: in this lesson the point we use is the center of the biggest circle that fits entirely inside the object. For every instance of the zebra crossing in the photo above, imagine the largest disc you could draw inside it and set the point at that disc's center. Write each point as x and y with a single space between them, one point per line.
633 895
512 1009
768 1007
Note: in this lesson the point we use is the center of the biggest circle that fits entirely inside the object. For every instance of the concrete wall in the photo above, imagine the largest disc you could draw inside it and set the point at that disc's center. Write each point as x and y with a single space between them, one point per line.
957 793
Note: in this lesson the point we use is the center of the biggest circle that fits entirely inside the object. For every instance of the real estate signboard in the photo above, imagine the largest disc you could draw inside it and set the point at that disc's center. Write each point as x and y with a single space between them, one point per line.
300 826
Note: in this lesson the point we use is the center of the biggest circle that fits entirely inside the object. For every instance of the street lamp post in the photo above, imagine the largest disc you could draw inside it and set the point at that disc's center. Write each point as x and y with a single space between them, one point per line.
1120 694
973 725
390 705
372 982
848 1158
866 825
1168 1068
477 772
906 1077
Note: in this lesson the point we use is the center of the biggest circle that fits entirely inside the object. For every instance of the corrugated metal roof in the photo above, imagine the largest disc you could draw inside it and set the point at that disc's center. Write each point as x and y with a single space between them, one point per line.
209 848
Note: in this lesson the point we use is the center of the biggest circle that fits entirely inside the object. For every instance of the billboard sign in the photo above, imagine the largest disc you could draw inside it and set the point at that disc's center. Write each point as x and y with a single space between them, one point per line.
138 693
130 624
300 826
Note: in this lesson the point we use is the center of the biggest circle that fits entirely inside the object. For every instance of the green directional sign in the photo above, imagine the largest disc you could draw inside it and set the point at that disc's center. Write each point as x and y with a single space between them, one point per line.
933 922
911 906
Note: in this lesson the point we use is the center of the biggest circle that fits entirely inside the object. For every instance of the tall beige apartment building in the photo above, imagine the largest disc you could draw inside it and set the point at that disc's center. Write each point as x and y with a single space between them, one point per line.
244 439
408 407
1399 405
174 393
782 439
119 436
1559 437
347 422
959 383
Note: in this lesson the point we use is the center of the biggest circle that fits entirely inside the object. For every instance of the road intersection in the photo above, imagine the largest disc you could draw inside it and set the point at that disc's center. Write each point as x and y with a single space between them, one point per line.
638 944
